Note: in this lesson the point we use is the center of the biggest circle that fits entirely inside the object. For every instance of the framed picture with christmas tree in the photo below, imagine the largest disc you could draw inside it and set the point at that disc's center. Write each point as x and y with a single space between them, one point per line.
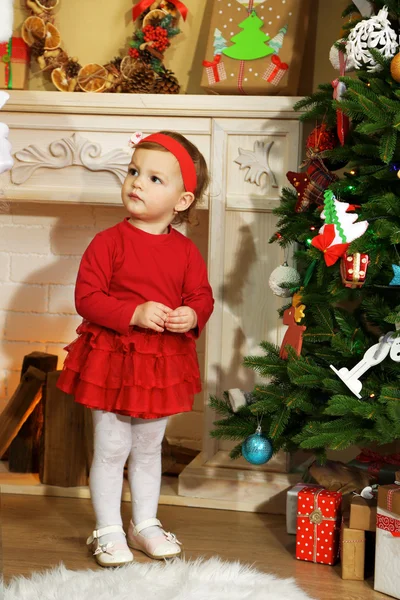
256 47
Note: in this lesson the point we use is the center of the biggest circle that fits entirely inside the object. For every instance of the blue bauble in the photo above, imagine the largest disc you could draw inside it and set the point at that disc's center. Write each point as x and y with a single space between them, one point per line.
257 449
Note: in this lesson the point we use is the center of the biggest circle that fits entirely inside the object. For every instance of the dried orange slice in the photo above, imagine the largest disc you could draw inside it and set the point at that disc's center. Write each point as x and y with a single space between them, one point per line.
53 37
33 28
48 5
154 17
60 79
128 66
92 78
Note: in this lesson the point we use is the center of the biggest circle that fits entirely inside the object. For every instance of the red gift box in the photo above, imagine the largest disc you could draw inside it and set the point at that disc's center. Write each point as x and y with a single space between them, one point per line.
14 58
215 69
318 525
275 71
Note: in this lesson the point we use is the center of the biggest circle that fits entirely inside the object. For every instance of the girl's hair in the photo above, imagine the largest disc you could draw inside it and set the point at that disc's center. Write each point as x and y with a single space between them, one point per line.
186 216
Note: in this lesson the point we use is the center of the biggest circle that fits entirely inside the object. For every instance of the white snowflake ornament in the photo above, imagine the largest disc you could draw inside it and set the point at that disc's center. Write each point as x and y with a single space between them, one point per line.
375 32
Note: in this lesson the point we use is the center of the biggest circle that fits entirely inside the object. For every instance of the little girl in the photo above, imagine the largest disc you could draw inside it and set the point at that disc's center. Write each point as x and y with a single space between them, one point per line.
143 292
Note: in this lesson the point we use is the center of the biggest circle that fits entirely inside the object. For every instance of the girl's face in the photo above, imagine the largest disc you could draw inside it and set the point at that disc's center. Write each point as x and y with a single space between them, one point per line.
153 189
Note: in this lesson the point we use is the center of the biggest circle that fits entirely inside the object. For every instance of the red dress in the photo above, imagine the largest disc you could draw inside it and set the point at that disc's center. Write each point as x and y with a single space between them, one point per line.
128 370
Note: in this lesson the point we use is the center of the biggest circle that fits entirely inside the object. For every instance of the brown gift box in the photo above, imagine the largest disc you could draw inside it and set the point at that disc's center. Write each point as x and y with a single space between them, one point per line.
363 513
277 73
352 552
389 498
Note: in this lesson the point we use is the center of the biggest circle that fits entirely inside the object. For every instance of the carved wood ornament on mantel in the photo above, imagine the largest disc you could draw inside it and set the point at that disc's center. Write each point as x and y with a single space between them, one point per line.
73 151
257 163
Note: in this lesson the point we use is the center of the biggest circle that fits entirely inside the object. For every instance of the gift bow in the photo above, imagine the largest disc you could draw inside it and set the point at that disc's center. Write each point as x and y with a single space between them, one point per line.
323 242
278 63
214 63
144 4
377 460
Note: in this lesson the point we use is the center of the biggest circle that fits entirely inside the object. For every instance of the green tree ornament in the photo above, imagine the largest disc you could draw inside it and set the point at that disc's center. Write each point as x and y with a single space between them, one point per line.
250 43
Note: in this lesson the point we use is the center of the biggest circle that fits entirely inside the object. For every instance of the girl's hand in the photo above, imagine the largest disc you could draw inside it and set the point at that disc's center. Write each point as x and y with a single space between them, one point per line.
151 315
181 319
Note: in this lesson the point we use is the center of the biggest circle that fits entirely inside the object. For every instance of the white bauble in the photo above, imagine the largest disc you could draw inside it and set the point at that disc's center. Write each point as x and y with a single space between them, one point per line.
375 32
335 62
283 274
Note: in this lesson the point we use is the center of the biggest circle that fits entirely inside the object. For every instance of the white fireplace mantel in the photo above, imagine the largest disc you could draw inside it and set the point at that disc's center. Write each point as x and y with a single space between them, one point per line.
73 148
272 107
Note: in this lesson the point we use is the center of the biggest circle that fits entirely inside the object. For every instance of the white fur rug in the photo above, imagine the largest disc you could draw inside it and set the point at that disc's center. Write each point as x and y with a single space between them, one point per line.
177 580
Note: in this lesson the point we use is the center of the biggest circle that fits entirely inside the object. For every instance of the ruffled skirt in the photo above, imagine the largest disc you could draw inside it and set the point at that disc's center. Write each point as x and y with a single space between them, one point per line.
142 374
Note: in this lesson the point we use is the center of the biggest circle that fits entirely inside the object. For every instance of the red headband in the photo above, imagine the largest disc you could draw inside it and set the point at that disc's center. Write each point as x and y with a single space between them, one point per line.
183 157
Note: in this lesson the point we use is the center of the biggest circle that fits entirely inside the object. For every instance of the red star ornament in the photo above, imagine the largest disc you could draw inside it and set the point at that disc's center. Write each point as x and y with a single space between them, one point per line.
323 242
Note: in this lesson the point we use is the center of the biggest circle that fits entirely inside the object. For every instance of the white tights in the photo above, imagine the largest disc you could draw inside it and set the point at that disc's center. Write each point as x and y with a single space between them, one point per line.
115 438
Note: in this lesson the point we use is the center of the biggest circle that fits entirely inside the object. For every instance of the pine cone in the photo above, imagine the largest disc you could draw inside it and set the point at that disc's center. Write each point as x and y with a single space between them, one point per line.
116 61
166 83
141 81
146 57
72 69
37 48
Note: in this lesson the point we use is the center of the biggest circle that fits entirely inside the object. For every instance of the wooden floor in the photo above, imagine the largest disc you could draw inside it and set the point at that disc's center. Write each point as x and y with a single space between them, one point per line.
39 532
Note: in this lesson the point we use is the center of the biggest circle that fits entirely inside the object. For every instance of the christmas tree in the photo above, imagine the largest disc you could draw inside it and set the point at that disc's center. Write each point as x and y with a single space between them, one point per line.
277 42
341 386
219 42
250 43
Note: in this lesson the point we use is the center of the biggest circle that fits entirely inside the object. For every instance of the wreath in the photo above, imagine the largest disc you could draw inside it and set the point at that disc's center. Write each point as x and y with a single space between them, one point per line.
140 70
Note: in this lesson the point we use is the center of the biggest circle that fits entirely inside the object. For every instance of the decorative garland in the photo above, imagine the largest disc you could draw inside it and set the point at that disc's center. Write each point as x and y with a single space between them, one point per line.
141 70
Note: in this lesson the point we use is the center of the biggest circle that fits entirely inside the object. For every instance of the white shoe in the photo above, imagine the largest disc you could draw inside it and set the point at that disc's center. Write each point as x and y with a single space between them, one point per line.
162 546
110 554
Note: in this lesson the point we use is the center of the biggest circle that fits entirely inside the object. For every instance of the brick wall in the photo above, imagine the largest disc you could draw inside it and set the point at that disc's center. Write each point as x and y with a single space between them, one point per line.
40 250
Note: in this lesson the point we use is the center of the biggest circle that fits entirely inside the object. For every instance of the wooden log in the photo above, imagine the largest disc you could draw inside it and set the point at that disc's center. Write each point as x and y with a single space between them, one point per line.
176 458
20 406
65 459
25 454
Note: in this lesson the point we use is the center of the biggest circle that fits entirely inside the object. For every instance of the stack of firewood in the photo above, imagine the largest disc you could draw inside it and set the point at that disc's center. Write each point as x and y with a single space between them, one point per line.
42 430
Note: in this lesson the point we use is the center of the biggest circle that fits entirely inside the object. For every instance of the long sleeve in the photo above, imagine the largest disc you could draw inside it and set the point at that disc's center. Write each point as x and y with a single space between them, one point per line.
92 299
197 292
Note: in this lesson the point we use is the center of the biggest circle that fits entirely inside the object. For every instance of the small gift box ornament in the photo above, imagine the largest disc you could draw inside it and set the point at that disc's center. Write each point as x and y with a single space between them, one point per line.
318 525
14 58
276 70
387 557
215 69
353 269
